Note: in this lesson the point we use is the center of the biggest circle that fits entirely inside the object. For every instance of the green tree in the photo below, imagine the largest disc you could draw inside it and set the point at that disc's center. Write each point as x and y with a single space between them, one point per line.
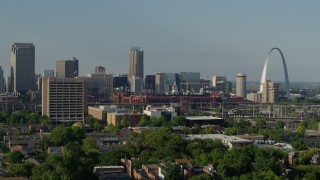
261 123
143 121
280 124
20 169
301 130
78 134
15 157
60 135
172 171
201 177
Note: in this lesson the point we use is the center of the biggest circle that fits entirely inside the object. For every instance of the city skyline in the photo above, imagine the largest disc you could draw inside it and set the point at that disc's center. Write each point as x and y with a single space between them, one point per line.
209 37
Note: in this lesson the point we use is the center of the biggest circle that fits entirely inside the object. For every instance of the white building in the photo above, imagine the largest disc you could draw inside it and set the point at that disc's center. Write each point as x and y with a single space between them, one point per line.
168 112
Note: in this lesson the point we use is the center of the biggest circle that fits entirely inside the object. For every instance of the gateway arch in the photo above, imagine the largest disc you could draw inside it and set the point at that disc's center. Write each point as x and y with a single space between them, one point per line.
264 72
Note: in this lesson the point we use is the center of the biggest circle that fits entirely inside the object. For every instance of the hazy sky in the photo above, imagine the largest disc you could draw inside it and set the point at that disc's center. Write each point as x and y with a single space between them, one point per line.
213 37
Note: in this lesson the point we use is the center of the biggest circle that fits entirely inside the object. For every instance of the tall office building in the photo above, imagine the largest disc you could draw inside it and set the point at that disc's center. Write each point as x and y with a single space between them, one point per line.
270 92
100 69
161 83
217 79
67 68
22 67
190 81
2 81
100 85
8 84
136 84
136 62
48 73
64 99
149 83
241 84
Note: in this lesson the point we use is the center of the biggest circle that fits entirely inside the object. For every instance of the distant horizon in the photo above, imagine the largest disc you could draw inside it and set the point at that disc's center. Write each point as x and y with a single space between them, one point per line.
211 37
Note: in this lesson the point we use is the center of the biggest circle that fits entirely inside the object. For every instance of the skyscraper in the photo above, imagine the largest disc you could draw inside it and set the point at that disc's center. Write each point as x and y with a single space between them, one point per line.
241 85
136 62
2 81
64 99
67 68
22 67
161 82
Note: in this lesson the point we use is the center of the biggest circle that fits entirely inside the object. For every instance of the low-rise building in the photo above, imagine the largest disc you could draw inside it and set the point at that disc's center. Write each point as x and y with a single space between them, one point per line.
168 112
203 120
230 141
116 117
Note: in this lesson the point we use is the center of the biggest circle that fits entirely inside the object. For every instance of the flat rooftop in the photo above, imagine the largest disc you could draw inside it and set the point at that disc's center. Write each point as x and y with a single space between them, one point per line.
201 118
222 137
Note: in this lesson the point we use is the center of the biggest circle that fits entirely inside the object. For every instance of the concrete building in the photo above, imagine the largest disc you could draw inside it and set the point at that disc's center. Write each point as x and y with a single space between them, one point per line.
2 81
48 73
100 69
22 67
230 141
216 79
101 112
67 68
241 84
120 83
136 84
115 118
168 112
270 92
255 97
190 81
136 62
150 83
100 85
173 78
64 99
8 84
161 83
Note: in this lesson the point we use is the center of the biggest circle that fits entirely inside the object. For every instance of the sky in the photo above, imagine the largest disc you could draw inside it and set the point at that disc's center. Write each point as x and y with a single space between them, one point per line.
209 36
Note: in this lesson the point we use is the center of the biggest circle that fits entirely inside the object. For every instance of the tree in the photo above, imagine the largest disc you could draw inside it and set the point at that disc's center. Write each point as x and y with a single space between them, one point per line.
20 169
78 134
261 123
280 124
301 130
143 121
201 177
299 144
15 157
89 144
172 171
60 135
178 121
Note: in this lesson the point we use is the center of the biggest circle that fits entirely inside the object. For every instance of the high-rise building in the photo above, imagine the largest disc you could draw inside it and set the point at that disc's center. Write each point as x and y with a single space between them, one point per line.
48 73
136 84
67 68
270 92
64 99
8 84
190 81
173 79
217 79
100 85
120 82
161 83
149 83
2 81
22 67
241 83
100 69
136 62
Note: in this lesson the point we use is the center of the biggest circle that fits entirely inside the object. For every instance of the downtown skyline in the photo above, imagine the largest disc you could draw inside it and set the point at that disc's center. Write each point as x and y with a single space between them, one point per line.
210 37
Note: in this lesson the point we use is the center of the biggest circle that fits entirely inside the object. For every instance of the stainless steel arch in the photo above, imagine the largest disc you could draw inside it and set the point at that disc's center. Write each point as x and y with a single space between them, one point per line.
264 72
